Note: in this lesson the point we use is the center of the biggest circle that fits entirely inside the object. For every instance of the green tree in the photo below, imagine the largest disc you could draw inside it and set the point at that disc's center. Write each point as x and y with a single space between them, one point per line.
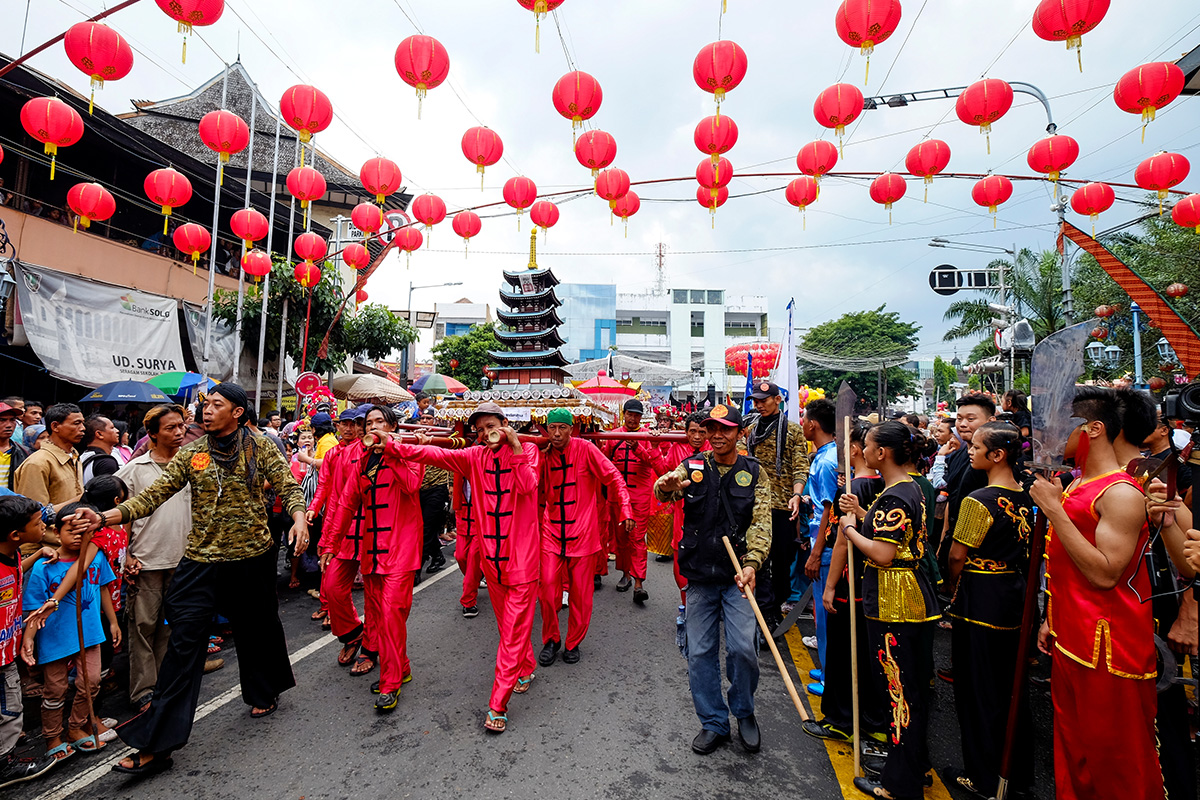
372 331
470 350
1034 289
944 374
859 336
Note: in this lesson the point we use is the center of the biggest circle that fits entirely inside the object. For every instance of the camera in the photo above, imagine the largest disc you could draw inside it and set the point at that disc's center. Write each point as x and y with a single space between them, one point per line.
1183 404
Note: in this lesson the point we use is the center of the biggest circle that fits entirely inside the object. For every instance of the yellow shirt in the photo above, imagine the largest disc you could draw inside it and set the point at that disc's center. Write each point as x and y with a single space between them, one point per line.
326 444
5 467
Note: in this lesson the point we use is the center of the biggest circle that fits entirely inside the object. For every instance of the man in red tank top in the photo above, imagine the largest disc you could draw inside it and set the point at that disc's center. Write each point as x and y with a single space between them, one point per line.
1098 632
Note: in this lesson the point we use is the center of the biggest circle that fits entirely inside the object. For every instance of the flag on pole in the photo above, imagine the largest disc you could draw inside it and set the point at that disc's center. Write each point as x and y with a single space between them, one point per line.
747 401
610 366
786 375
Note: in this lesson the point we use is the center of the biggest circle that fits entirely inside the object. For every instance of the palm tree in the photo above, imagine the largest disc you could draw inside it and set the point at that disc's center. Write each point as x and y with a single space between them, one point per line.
1035 290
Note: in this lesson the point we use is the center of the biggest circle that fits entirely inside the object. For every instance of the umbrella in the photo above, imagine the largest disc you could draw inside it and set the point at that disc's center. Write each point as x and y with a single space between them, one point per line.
182 384
437 383
369 387
126 392
605 389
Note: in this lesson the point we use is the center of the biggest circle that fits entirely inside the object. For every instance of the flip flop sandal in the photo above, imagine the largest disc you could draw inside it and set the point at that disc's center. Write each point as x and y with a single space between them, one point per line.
264 712
213 649
326 624
95 744
62 752
152 767
363 665
319 614
216 640
349 651
523 684
495 723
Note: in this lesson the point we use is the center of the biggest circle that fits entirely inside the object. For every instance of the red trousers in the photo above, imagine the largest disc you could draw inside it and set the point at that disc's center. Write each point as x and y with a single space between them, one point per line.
513 606
608 541
631 545
466 553
1092 761
337 584
577 572
388 602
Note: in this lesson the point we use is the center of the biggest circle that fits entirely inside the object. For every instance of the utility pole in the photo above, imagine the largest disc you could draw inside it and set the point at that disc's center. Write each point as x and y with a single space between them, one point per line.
660 257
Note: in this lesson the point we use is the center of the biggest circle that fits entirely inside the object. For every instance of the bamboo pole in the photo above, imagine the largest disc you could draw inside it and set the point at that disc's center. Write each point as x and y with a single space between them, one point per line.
81 671
853 615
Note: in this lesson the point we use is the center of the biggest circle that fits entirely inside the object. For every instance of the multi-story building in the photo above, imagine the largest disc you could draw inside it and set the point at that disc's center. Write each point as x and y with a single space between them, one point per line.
589 315
455 319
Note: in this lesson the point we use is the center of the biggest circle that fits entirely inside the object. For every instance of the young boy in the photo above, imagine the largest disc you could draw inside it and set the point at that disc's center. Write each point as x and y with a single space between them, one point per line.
20 523
57 643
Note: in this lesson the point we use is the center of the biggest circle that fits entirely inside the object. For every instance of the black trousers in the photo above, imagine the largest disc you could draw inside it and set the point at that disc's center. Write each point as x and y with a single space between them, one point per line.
774 581
905 650
837 703
984 662
433 516
244 593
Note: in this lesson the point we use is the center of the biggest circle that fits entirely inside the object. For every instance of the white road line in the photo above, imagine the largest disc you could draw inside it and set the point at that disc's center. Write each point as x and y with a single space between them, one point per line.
93 774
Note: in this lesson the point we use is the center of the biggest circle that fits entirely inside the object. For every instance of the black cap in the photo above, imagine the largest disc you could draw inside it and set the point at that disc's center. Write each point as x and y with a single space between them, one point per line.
764 390
634 405
730 416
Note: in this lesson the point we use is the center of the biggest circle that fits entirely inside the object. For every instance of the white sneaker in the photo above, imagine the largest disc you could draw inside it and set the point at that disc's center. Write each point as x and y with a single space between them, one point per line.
810 642
565 600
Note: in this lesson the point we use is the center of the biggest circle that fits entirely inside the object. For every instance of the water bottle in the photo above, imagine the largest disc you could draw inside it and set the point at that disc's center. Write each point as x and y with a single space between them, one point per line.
681 631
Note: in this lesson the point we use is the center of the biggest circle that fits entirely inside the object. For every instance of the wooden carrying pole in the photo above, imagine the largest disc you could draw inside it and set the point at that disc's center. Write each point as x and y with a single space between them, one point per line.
853 615
81 670
762 624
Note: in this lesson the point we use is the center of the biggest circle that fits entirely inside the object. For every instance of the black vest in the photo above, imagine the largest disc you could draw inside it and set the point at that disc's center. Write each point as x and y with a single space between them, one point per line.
715 506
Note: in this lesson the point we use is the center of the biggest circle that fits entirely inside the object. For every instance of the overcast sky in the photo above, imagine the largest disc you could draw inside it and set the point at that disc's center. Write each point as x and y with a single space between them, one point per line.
849 257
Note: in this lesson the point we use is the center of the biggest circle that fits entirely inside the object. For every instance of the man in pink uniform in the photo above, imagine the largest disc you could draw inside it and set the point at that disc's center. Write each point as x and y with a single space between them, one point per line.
572 473
503 476
337 578
383 488
640 464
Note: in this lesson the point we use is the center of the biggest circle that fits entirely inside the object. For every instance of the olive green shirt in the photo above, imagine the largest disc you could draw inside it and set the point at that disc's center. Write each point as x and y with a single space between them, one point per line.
229 520
793 465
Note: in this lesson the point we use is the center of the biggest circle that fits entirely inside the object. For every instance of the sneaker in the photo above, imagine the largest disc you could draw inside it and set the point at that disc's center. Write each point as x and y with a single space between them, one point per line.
387 702
470 611
375 685
816 689
824 730
787 608
483 583
810 642
597 583
566 599
18 770
817 675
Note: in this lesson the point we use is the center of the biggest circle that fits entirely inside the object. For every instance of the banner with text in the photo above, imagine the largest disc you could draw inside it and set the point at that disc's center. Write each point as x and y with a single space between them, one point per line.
91 333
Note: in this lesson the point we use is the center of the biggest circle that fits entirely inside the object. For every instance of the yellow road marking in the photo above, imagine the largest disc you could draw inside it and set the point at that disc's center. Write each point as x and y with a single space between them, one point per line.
841 754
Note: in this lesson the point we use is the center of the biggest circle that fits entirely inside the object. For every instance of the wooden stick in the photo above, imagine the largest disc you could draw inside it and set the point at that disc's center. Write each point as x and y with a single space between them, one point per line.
853 614
81 669
762 623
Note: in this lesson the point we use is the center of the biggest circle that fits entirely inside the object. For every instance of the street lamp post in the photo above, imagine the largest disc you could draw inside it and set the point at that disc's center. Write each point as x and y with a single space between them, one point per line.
1136 311
412 320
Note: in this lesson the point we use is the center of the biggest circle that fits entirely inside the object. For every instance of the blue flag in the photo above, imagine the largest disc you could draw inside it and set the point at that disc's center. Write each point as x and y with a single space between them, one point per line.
747 402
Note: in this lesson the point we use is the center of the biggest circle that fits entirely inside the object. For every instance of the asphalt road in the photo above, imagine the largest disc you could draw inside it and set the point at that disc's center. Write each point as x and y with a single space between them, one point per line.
617 725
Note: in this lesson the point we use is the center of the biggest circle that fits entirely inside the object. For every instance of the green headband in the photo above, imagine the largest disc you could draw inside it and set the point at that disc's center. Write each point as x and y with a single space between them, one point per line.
559 415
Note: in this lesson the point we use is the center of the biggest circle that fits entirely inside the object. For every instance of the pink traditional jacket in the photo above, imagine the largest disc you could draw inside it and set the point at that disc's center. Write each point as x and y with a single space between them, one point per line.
504 501
570 482
640 464
331 477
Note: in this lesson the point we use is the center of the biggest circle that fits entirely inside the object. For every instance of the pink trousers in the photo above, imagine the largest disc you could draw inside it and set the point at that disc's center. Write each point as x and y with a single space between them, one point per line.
388 600
337 585
577 573
514 607
466 553
631 545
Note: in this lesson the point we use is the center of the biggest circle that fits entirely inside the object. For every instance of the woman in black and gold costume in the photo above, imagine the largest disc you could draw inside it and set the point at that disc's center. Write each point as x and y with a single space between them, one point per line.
989 560
899 604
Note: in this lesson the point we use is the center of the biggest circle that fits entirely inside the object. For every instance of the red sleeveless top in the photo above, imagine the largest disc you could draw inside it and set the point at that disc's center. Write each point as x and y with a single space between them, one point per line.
1102 629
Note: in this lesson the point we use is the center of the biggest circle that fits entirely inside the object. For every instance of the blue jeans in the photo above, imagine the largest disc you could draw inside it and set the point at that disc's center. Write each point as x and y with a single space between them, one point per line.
819 612
707 605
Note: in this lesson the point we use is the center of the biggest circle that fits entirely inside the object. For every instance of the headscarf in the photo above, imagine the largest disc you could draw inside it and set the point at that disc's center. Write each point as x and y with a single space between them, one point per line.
237 396
32 433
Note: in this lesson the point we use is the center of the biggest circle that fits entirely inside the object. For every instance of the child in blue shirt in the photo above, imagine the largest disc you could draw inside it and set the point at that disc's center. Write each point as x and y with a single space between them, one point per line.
57 643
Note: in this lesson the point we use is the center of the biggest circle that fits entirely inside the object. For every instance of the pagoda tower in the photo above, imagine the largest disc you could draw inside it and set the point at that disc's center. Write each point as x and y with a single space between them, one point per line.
533 358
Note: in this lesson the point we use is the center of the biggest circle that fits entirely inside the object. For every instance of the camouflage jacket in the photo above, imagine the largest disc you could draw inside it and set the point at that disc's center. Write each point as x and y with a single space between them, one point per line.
229 520
793 468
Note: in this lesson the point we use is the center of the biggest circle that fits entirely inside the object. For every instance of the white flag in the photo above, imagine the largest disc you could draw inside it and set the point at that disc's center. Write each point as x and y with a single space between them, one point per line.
786 376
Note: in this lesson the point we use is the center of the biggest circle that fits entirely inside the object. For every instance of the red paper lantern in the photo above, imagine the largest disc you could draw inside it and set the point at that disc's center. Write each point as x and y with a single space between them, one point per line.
311 247
991 192
256 263
190 13
380 177
1157 384
520 192
1105 311
802 192
454 363
540 8
1067 21
368 218
1053 155
714 176
612 184
225 133
1176 290
483 148
1186 212
577 96
408 239
422 63
90 201
306 110
719 67
715 135
626 207
887 189
98 52
53 123
595 150
249 225
1145 89
543 214
306 185
356 255
838 106
1099 333
360 296
984 102
428 209
712 202
1092 199
1 155
1160 172
866 23
466 224
307 274
927 159
816 158
168 189
192 239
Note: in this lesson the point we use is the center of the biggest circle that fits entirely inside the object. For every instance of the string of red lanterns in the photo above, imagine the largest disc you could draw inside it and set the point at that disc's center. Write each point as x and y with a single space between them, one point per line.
927 159
866 23
466 224
98 52
169 190
91 202
53 123
429 210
